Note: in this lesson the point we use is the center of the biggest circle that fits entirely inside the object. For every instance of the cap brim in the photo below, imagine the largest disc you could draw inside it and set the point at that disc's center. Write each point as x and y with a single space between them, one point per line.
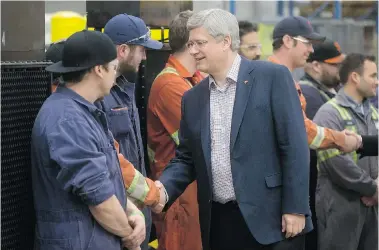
315 37
335 60
152 44
59 68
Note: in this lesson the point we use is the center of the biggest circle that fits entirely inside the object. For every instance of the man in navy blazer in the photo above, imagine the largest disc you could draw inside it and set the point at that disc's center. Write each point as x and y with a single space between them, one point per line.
242 137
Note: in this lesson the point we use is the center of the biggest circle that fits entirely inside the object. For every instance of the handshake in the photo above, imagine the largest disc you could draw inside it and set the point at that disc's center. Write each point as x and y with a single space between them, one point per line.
353 142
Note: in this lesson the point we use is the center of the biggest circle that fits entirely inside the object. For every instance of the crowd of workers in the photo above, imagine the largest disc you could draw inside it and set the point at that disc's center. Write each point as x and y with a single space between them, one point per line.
235 144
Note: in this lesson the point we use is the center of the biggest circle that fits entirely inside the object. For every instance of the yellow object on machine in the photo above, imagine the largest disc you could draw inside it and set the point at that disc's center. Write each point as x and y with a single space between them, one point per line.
156 33
66 23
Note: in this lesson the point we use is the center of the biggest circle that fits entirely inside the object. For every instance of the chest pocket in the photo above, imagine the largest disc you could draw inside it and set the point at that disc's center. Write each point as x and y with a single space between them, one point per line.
112 160
119 122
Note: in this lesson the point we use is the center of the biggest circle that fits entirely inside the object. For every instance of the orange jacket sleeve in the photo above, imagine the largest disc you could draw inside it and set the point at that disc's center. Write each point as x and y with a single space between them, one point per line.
320 137
141 190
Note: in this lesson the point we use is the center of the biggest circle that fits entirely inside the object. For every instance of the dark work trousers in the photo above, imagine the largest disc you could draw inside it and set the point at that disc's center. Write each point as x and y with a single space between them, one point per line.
230 232
311 237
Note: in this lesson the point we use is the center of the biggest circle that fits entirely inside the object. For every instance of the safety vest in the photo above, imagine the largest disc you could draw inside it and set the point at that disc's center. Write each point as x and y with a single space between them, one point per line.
174 136
349 124
170 70
308 83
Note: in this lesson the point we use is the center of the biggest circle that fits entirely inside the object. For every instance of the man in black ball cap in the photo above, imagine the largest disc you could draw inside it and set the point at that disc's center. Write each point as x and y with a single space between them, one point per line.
54 54
79 193
321 76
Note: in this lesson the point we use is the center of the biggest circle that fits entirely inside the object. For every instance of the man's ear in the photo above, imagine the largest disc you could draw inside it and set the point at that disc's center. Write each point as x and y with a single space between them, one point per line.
316 66
287 41
99 70
355 77
227 42
123 50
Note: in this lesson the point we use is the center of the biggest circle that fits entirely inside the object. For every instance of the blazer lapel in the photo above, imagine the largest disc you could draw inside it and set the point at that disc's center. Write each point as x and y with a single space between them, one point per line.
244 85
205 122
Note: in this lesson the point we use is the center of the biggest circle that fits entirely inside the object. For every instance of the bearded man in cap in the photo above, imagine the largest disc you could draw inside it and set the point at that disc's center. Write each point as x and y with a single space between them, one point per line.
321 79
79 194
131 37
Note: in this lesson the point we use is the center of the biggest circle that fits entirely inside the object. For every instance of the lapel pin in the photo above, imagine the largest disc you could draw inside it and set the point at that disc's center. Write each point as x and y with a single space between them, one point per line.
245 82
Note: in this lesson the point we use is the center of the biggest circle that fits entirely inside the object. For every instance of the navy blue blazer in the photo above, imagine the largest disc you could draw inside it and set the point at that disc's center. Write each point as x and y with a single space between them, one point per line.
269 151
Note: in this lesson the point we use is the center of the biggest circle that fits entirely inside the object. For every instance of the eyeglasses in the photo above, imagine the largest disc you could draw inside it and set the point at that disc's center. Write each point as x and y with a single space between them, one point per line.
303 40
141 39
198 44
251 46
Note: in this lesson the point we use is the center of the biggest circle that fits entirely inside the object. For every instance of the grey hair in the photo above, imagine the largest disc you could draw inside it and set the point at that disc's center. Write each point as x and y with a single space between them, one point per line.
218 23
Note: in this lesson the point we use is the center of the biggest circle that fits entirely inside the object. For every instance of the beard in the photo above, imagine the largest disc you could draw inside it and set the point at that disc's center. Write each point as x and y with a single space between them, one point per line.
128 71
329 81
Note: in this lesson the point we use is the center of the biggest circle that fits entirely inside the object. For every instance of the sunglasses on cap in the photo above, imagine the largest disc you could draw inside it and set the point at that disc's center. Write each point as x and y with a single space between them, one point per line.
142 39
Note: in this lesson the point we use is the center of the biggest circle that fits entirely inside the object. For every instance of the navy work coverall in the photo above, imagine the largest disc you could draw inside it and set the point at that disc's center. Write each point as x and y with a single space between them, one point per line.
122 115
316 95
74 165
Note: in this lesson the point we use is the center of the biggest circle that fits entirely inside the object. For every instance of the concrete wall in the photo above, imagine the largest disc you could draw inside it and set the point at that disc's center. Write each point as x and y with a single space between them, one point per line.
76 6
22 38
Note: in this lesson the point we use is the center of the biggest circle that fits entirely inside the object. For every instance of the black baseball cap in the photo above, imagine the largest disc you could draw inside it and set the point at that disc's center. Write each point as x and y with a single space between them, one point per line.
329 52
296 26
128 29
84 50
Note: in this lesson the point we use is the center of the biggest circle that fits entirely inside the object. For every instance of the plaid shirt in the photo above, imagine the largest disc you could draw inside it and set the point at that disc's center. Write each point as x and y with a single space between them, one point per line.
221 111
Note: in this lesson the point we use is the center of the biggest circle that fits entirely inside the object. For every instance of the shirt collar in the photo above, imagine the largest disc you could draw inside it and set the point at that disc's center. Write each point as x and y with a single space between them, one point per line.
273 59
182 71
76 97
347 101
126 86
232 73
317 84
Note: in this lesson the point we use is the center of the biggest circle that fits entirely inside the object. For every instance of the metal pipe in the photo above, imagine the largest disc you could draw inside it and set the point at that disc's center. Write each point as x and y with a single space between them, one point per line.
280 8
290 7
232 6
337 9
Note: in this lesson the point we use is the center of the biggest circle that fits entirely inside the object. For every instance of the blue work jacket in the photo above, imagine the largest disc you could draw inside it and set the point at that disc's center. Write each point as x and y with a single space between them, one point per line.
74 166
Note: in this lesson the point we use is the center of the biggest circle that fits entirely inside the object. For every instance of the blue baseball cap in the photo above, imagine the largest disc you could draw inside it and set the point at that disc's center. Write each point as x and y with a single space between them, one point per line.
296 26
127 29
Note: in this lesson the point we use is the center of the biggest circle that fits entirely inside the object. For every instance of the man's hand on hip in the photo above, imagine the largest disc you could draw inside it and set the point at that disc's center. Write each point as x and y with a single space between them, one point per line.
371 201
292 224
